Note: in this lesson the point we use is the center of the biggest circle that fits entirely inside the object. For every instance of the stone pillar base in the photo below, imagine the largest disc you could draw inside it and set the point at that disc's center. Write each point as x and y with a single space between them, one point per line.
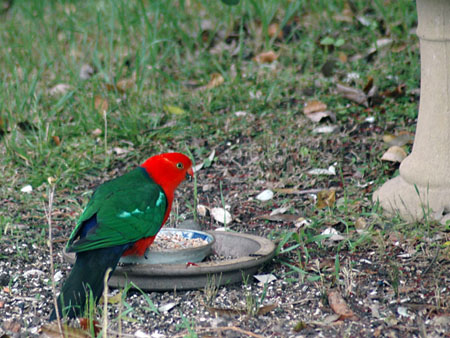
410 202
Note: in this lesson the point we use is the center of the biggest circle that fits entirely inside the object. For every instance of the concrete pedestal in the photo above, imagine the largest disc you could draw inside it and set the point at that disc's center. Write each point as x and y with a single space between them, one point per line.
424 181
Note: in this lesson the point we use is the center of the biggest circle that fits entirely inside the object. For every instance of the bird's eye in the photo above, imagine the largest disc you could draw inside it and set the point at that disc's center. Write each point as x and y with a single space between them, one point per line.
180 165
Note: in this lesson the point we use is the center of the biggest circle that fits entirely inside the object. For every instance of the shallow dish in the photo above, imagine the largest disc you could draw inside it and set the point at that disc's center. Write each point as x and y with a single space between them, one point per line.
247 253
175 256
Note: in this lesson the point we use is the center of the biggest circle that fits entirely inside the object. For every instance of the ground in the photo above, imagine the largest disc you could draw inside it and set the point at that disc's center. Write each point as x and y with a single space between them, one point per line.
89 97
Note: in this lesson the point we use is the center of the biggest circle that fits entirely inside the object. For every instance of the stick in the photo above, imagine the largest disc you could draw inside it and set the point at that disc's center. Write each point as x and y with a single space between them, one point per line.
48 215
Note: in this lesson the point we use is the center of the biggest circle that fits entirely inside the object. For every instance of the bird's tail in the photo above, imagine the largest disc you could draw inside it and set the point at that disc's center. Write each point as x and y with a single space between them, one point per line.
86 279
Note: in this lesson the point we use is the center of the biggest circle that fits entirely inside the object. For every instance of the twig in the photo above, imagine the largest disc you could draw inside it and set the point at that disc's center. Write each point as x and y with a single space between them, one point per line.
105 303
203 330
432 262
48 215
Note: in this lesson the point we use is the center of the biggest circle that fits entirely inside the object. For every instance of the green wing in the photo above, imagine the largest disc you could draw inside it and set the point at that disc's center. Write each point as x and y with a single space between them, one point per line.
127 209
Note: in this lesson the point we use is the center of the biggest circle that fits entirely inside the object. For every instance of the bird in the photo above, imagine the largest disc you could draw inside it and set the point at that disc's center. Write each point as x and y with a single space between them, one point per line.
122 218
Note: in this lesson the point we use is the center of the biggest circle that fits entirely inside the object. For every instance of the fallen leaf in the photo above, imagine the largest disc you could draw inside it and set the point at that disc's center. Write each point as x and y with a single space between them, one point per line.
340 307
267 278
126 84
266 57
221 215
265 195
86 72
174 110
278 211
167 307
101 105
56 139
326 198
394 154
325 129
314 106
60 89
396 92
274 31
334 235
120 151
352 94
96 132
319 171
201 210
27 189
215 81
266 309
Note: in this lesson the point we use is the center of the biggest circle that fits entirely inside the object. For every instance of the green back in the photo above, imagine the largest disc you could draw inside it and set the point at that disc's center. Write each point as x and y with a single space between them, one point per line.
128 208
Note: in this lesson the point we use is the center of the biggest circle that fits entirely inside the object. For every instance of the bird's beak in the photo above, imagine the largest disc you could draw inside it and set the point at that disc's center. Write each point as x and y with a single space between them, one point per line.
189 174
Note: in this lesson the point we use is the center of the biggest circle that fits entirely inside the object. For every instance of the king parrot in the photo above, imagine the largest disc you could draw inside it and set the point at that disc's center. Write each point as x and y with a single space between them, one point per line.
122 218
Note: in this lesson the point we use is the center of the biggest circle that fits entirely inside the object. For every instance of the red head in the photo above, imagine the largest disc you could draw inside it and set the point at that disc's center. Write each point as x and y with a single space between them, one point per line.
169 170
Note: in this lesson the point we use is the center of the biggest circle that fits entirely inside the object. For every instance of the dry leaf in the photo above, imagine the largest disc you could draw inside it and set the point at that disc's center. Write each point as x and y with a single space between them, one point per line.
319 171
265 195
86 72
353 94
266 309
215 81
174 110
221 215
274 30
27 189
267 278
334 235
340 307
60 89
56 139
314 106
266 57
326 198
96 132
126 84
101 105
394 154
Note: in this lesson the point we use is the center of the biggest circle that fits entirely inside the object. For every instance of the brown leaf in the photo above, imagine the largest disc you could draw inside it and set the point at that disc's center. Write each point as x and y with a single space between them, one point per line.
353 94
266 309
274 30
101 105
340 307
326 198
368 85
394 154
314 106
126 84
215 81
396 92
56 139
266 57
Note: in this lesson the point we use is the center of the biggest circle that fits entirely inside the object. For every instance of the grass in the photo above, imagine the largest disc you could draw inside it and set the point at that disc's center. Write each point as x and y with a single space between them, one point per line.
150 55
